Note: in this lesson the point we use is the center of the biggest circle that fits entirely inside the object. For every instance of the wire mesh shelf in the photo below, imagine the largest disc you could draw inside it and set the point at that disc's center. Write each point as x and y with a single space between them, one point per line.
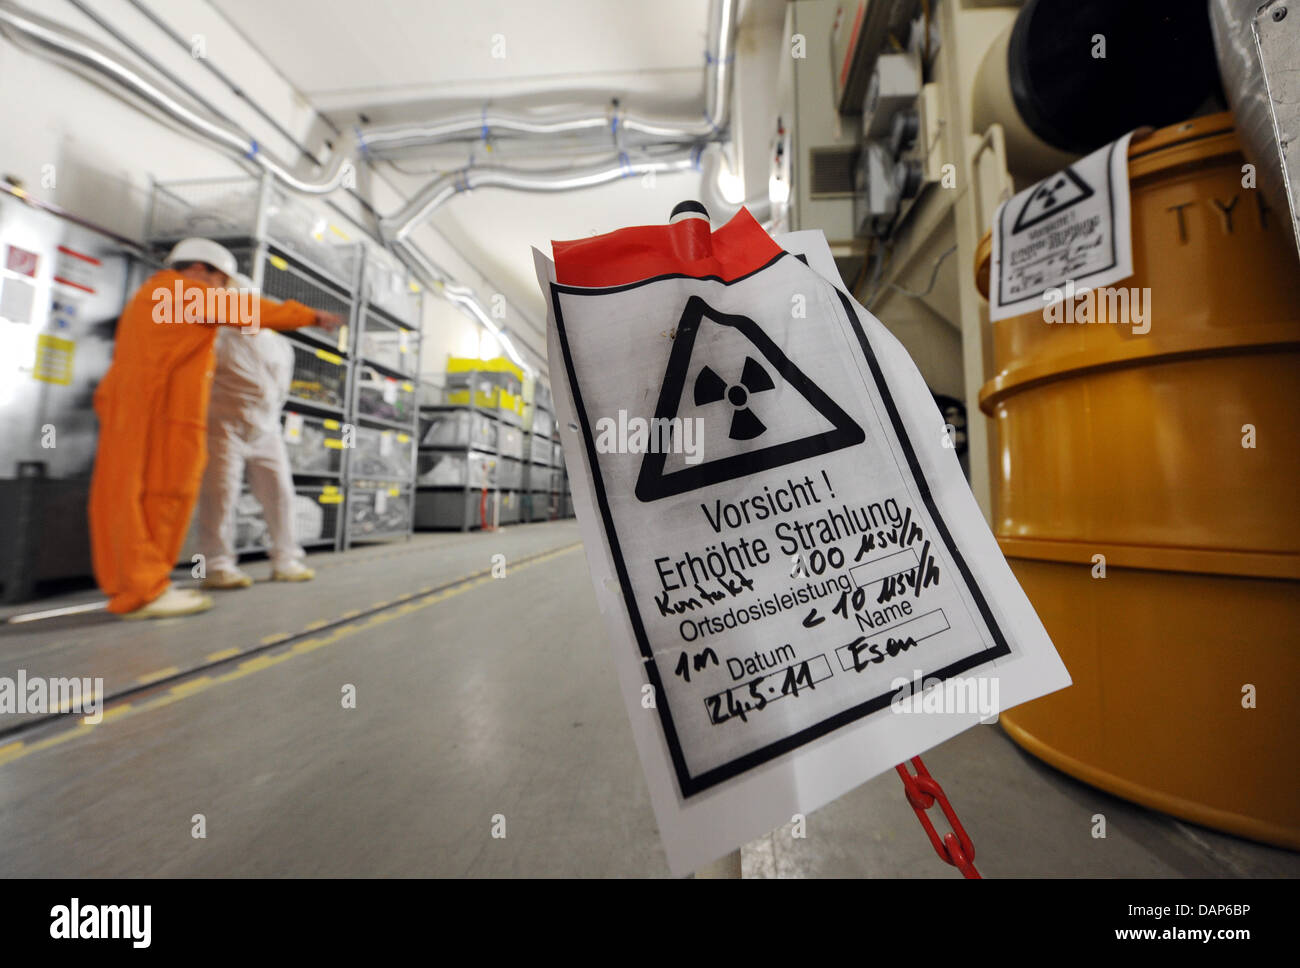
319 377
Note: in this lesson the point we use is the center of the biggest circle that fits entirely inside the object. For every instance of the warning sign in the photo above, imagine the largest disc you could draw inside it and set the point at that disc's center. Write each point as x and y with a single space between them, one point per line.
1073 227
773 596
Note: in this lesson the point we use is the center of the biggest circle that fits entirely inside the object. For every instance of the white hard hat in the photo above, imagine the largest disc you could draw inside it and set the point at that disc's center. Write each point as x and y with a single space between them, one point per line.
202 250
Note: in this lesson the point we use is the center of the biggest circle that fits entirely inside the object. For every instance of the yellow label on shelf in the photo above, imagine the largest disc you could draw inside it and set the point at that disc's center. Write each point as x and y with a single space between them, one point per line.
394 492
278 262
330 499
330 488
333 443
415 287
403 438
329 357
331 424
408 386
339 232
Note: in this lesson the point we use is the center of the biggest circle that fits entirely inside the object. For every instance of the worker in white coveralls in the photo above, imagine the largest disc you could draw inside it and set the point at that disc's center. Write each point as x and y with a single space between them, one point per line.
253 374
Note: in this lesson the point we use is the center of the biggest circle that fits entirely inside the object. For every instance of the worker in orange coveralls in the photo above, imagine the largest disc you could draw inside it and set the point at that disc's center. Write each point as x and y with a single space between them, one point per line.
153 410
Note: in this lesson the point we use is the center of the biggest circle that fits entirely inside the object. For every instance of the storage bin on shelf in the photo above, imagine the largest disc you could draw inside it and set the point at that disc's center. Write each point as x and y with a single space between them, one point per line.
539 504
378 509
444 468
319 377
451 508
226 209
510 441
540 450
495 384
389 286
381 453
510 473
314 444
384 397
387 344
315 515
283 280
509 507
543 422
456 427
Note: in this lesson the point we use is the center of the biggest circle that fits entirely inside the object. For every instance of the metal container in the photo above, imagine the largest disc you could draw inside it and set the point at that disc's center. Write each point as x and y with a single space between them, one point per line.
1163 462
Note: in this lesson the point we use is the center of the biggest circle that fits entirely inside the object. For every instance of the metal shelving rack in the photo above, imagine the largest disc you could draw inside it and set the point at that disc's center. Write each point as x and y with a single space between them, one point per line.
539 504
477 444
384 404
290 252
491 440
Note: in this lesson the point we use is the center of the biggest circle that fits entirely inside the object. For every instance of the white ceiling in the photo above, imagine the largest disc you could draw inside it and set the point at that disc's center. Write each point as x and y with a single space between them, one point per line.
403 59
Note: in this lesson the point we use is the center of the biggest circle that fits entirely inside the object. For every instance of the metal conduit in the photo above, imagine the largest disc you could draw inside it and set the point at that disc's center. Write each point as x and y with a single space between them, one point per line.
89 58
609 125
438 191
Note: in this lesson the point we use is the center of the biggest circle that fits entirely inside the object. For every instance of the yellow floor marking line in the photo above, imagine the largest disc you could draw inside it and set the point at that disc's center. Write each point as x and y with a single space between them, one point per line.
149 677
223 654
19 749
272 639
191 685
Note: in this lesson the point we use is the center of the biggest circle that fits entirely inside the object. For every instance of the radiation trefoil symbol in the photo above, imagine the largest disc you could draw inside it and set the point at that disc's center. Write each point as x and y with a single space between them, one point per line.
758 376
711 388
1052 196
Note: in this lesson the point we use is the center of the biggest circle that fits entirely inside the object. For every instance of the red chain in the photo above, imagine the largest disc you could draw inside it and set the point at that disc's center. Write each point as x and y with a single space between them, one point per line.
922 791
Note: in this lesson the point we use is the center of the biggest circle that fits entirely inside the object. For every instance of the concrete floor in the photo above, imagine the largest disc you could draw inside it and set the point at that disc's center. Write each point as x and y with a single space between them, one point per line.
490 697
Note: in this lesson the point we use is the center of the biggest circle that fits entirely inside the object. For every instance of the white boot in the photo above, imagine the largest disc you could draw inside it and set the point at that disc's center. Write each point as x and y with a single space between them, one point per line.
228 578
172 603
293 571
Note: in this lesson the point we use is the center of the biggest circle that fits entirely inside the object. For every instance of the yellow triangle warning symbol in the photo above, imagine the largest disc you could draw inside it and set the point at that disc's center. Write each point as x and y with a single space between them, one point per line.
754 441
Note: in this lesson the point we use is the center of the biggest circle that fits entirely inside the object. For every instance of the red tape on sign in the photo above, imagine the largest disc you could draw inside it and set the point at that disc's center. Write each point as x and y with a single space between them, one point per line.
684 248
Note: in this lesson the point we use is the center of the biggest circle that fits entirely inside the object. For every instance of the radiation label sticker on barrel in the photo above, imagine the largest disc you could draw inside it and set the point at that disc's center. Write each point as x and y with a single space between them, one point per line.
785 563
1068 233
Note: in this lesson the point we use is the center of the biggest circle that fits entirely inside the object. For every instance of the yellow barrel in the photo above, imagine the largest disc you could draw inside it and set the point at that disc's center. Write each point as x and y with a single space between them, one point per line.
1168 459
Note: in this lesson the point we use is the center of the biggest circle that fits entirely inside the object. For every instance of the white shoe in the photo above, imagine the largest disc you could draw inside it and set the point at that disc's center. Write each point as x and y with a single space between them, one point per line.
228 578
172 603
294 571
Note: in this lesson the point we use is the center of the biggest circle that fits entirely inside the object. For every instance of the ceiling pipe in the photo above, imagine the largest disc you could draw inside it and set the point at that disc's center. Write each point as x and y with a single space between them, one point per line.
609 125
437 192
90 59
